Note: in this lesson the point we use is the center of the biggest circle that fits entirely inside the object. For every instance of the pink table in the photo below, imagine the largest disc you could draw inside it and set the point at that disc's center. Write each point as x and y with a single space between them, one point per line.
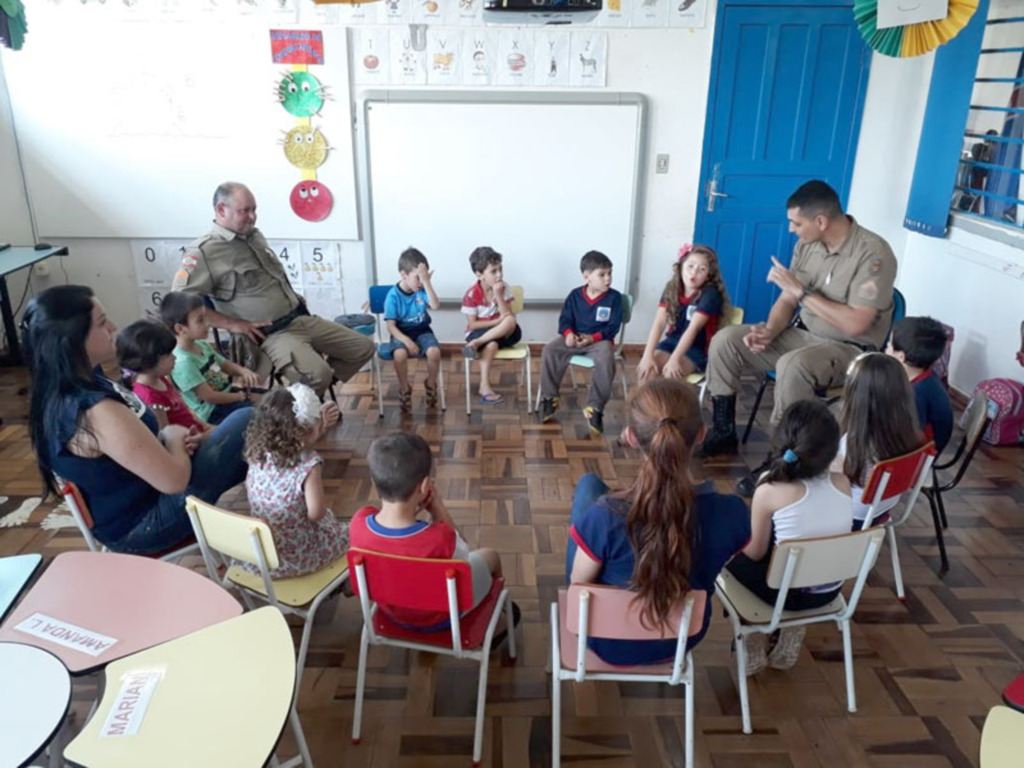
91 608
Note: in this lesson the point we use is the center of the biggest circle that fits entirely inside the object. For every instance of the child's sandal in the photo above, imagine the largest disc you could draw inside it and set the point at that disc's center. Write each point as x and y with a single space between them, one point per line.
431 390
405 401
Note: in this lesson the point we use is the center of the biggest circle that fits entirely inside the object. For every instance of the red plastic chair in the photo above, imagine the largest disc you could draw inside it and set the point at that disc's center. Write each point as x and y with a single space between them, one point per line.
441 586
893 477
1013 694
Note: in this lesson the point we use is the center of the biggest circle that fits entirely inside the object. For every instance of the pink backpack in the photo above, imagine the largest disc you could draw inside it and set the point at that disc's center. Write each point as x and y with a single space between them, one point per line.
1005 408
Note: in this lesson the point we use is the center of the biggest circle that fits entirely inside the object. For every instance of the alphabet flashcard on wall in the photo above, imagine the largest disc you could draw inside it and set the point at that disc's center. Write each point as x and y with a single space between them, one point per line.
687 13
431 11
357 13
470 12
588 59
479 54
408 58
616 13
444 56
370 58
551 58
156 262
515 57
650 13
396 11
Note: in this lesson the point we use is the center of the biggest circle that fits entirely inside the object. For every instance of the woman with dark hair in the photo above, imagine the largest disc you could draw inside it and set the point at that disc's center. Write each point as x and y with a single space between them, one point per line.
94 432
665 537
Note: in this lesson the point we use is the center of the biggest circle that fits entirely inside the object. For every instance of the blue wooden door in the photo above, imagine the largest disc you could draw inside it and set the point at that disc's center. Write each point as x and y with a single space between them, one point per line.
784 106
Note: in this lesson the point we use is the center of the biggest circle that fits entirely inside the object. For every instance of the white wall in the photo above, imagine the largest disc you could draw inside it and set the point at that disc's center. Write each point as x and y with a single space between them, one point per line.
672 67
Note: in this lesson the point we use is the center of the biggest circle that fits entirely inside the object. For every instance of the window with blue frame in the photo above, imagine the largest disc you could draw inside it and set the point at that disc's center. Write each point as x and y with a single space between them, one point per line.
990 176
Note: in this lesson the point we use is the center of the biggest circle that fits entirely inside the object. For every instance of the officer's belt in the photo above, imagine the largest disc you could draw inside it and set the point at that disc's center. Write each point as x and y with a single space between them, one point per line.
799 323
285 320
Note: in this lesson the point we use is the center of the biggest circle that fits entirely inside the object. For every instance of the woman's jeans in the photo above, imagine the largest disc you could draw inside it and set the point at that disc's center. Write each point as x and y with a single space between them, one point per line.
217 466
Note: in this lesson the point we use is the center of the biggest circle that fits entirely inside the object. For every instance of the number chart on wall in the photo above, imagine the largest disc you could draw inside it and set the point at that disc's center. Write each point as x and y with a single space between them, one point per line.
313 267
126 129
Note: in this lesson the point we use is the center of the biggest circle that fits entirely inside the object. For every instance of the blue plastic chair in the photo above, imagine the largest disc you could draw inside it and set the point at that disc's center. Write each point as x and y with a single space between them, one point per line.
378 293
899 311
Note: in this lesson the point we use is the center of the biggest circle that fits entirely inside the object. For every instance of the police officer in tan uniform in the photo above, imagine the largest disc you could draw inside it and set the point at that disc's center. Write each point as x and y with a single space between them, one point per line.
841 279
235 267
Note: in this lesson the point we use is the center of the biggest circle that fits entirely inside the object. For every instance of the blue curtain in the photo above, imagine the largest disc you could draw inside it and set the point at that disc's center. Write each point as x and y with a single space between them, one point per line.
1008 155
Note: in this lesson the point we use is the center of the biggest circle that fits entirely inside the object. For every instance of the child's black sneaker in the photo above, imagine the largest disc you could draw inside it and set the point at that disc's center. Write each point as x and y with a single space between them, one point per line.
548 406
595 419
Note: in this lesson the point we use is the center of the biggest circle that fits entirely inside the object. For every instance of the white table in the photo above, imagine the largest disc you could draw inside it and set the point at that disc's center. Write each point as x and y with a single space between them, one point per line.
34 697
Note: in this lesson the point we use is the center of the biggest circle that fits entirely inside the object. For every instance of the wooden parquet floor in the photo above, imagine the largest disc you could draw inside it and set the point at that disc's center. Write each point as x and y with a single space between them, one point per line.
927 671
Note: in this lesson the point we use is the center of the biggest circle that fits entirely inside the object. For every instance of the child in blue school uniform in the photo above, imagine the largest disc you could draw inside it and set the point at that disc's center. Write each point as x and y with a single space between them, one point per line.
590 320
689 313
917 342
405 312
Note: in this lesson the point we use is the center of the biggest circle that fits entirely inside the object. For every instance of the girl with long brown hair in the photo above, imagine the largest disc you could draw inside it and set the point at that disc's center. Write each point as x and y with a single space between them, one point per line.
689 313
666 536
879 421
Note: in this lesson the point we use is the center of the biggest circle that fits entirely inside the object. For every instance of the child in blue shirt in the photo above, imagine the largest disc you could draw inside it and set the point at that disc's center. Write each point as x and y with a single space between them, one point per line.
405 312
590 320
917 342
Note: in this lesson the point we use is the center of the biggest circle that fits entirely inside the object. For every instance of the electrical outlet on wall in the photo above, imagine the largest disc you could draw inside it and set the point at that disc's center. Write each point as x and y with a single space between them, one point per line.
661 164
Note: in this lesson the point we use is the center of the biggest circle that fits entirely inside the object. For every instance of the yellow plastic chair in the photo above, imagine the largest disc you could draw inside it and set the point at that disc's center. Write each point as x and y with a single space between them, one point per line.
733 317
245 538
519 351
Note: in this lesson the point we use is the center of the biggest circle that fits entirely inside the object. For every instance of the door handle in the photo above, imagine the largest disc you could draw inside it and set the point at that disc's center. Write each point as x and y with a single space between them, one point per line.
712 194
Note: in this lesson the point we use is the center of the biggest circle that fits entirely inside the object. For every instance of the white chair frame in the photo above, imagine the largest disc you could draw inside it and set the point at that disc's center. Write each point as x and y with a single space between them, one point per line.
682 671
481 655
783 575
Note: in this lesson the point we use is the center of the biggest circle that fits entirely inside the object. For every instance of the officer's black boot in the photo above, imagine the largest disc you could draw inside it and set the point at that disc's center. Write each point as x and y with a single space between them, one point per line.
747 484
722 439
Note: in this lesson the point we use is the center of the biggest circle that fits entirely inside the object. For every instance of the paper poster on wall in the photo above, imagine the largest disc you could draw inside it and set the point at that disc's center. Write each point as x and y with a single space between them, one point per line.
318 13
551 58
650 13
687 13
290 254
395 11
361 13
616 13
479 55
321 277
281 11
155 262
370 59
515 57
470 12
433 11
408 65
444 56
893 13
588 59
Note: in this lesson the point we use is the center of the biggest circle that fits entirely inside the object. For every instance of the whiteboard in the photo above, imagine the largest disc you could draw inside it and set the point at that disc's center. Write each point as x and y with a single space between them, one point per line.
541 180
126 129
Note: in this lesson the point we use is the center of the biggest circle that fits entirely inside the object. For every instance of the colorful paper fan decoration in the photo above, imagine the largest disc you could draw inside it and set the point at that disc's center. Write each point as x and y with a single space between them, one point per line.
912 39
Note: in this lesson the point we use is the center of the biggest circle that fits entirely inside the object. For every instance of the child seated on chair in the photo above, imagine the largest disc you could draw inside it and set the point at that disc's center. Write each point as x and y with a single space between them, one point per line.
666 537
490 323
917 342
796 498
405 312
145 349
691 307
879 422
413 522
590 320
285 481
201 372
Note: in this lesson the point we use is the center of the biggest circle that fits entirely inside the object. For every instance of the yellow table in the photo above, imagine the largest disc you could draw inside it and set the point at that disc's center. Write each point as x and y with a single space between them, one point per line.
1002 739
217 697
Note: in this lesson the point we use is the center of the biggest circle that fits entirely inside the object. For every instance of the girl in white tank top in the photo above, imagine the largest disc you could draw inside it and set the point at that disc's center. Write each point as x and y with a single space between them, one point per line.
797 498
